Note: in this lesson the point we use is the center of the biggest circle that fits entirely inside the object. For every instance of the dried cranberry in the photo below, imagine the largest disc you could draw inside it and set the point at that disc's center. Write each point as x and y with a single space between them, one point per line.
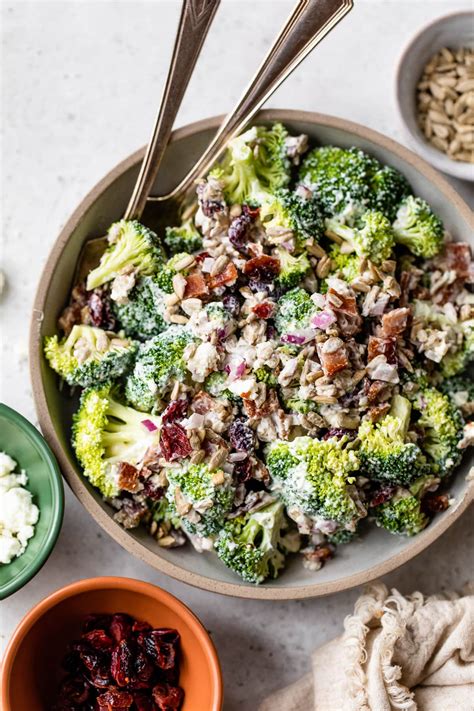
382 495
96 622
115 700
121 626
167 697
241 436
238 232
262 269
142 673
264 310
162 647
243 471
210 207
252 212
121 663
75 690
174 442
98 639
338 432
100 310
176 410
143 702
152 490
231 304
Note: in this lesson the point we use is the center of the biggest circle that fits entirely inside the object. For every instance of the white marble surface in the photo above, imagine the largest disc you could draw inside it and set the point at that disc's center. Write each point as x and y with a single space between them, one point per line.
80 86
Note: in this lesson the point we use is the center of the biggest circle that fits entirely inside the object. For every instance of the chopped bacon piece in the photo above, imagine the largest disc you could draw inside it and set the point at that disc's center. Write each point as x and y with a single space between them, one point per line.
382 346
270 405
395 322
264 310
347 314
128 477
374 389
378 411
456 256
201 256
195 286
226 277
333 362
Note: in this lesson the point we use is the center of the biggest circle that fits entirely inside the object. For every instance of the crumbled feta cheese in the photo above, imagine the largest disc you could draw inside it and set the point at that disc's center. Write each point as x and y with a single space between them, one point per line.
18 513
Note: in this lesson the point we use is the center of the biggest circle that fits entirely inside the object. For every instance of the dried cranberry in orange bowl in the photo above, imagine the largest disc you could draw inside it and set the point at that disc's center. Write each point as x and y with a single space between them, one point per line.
153 655
277 383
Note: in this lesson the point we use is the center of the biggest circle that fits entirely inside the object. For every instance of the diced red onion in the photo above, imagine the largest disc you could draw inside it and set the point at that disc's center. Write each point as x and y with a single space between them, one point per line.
323 319
299 337
151 427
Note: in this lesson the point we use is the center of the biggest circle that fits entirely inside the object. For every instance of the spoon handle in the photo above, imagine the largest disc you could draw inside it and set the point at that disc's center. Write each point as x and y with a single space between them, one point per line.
194 23
309 22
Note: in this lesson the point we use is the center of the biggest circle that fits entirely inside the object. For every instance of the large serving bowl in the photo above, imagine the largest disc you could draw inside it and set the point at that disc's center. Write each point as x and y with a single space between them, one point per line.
377 552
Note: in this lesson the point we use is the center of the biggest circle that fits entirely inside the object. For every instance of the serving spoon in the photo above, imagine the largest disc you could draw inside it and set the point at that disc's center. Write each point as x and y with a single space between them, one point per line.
308 23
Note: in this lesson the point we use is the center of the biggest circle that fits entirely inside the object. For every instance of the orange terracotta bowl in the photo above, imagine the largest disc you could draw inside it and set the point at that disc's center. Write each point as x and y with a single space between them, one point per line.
31 669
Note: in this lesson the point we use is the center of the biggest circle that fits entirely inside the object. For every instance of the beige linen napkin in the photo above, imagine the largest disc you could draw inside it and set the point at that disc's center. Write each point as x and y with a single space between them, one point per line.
404 653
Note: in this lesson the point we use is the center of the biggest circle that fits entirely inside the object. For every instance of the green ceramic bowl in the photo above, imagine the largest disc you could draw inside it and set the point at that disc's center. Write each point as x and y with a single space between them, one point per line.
23 442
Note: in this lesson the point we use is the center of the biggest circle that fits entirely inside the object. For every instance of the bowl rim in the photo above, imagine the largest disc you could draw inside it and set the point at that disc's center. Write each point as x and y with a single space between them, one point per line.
458 169
78 486
118 583
57 489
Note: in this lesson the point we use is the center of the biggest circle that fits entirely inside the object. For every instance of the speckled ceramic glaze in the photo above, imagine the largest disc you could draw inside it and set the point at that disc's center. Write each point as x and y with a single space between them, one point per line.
377 552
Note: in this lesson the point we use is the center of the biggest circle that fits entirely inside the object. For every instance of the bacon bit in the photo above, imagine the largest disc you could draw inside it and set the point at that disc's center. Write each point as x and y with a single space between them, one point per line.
195 286
270 405
174 442
395 322
128 477
228 276
382 495
320 554
373 389
202 403
378 411
262 268
264 310
333 362
434 503
201 257
347 314
382 346
456 257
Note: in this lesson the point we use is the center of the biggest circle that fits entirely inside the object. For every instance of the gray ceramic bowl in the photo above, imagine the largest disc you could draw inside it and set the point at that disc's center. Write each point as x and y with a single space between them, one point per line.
377 552
453 31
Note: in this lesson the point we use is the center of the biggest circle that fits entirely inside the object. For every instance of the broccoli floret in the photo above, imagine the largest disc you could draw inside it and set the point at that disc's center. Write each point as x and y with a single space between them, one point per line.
253 546
294 211
344 265
164 278
371 237
255 164
158 363
292 269
316 477
342 536
89 356
216 385
185 238
164 513
132 246
385 454
389 188
201 497
347 180
460 390
418 228
443 427
267 376
142 315
294 311
403 513
104 433
301 406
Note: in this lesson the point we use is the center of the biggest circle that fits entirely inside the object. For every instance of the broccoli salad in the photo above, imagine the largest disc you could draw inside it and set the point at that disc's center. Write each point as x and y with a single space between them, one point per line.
283 369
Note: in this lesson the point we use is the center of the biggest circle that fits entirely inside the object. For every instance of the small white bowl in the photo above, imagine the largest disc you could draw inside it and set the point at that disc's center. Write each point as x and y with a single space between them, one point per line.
453 31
